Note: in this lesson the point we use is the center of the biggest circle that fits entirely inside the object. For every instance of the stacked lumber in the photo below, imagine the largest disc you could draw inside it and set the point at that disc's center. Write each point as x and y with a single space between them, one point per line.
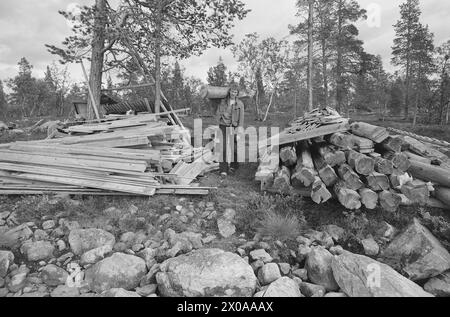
360 166
136 155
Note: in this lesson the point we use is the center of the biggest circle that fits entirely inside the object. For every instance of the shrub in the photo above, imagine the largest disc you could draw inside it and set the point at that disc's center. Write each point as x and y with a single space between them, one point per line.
279 227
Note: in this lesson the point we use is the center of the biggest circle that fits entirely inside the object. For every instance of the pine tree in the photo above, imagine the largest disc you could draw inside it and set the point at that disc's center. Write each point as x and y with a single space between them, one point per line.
217 75
3 102
177 85
406 29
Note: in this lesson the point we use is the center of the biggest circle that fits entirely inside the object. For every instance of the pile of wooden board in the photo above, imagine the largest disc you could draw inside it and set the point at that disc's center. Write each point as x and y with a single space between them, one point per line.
123 156
360 165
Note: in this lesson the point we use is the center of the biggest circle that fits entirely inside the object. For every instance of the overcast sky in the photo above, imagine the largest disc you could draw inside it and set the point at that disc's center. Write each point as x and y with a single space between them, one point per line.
26 25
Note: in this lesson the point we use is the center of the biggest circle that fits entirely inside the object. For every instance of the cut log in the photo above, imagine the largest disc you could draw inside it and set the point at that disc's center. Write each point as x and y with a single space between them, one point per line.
331 156
342 140
369 198
401 162
384 166
390 201
320 194
282 181
399 178
326 172
393 144
414 157
443 195
305 173
417 191
350 178
362 164
430 173
348 198
378 182
363 143
432 202
374 133
288 156
422 149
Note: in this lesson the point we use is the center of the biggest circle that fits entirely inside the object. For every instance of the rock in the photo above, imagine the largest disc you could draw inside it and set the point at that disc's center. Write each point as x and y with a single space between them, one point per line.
182 243
206 273
312 290
2 282
337 233
18 282
318 265
118 271
301 273
269 273
371 247
37 251
128 238
361 276
148 255
120 247
285 268
4 215
95 255
3 292
283 287
61 245
69 226
119 292
40 235
321 238
303 252
6 259
336 295
209 239
418 253
12 239
337 250
47 225
147 290
387 231
83 240
262 255
439 285
65 291
53 275
37 294
257 265
226 227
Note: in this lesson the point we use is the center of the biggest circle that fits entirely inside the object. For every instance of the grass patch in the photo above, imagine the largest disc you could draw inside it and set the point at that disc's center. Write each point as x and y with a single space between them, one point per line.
279 227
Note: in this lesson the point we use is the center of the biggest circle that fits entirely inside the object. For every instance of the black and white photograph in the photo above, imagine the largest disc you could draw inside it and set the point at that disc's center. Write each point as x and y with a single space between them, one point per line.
219 156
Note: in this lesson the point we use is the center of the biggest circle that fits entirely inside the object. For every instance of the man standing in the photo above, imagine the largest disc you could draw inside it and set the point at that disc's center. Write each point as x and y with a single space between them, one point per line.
230 115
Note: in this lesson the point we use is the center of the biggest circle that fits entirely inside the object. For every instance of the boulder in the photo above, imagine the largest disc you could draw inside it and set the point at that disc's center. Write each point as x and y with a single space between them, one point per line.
318 265
269 273
337 233
18 281
439 285
261 255
361 276
65 291
83 240
206 273
371 247
312 290
283 287
6 259
14 237
118 271
38 250
418 253
226 227
119 292
95 255
53 275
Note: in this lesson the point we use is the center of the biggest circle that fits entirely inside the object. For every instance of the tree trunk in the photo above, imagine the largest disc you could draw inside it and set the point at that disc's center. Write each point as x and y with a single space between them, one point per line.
339 88
269 106
324 71
310 55
97 57
158 36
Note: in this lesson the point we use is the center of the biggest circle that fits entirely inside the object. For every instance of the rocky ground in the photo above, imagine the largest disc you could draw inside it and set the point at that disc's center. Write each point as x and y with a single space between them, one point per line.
193 248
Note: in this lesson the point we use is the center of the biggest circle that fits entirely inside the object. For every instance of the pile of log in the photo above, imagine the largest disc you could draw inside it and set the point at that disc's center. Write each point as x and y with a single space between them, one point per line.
364 166
135 155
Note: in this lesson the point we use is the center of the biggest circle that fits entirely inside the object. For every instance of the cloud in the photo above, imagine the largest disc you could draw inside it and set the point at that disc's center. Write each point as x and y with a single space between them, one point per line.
27 25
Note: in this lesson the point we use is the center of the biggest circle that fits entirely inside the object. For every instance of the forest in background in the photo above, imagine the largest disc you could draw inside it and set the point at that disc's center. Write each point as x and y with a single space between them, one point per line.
321 61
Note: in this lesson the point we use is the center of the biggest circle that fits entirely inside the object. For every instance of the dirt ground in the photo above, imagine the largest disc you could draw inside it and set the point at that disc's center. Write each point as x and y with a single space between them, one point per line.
240 192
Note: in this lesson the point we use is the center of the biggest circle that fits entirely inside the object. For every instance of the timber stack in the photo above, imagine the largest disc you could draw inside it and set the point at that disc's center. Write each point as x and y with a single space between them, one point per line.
123 155
324 156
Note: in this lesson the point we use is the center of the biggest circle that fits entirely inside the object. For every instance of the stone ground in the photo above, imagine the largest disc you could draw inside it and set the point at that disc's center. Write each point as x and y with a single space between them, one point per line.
224 244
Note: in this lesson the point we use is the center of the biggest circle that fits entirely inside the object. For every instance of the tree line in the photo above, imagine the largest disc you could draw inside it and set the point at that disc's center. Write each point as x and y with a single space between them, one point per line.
321 61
